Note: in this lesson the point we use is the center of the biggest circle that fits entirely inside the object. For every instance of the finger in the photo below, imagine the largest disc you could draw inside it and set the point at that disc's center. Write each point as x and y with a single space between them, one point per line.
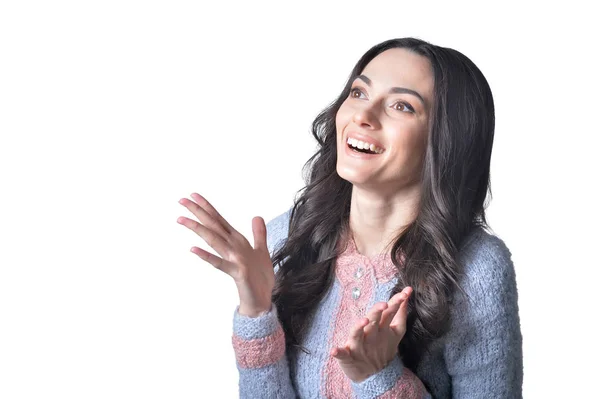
213 239
393 306
212 211
219 263
204 217
341 353
259 229
371 332
398 323
372 328
376 311
357 333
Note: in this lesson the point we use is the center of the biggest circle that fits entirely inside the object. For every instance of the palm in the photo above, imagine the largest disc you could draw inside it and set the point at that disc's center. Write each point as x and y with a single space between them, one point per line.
250 267
373 342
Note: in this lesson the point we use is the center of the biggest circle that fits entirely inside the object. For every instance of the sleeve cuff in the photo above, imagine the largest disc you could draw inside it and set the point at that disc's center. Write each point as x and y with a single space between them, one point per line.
377 384
258 341
247 328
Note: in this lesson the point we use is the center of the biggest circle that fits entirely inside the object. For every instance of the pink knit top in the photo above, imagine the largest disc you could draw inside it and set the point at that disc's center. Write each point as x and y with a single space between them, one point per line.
358 278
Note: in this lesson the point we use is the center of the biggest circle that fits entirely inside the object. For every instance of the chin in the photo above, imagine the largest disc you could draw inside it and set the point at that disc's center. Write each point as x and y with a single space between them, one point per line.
354 178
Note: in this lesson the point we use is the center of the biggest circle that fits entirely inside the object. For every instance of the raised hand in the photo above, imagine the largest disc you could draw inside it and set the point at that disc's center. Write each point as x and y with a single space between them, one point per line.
373 342
250 267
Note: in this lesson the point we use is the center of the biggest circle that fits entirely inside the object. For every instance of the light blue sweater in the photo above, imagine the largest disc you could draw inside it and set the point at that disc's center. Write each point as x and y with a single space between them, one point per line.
480 356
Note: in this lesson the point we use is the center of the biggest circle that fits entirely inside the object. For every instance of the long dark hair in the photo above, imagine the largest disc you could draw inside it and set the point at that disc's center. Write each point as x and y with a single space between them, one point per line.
455 183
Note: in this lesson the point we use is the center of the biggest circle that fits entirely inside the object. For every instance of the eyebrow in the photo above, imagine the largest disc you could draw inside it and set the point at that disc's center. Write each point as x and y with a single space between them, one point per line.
393 90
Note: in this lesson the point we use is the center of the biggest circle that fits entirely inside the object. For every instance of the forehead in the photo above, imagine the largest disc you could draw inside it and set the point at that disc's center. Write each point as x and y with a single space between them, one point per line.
401 68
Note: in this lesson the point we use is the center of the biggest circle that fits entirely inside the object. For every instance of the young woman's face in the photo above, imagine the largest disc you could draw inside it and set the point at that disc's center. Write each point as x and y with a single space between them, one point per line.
388 106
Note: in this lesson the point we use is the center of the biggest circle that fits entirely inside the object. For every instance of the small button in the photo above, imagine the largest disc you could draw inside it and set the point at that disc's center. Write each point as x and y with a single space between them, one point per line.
359 272
355 293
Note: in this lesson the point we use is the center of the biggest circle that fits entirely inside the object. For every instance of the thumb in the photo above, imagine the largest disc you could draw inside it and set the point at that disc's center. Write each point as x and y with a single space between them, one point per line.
398 323
341 353
259 230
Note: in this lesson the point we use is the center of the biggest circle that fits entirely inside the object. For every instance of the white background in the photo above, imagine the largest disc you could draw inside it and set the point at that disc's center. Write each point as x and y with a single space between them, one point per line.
111 111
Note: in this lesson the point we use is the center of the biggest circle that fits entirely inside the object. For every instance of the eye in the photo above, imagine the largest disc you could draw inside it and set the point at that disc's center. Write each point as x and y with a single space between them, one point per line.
400 104
355 92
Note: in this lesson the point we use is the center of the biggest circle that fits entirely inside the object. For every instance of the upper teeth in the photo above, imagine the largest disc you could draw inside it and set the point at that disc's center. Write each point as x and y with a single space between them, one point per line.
364 146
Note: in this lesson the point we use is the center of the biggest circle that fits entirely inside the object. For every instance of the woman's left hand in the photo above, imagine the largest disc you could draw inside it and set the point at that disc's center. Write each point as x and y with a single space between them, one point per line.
373 342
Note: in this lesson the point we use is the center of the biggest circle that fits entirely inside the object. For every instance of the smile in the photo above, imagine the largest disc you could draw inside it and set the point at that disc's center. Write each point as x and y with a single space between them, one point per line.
362 147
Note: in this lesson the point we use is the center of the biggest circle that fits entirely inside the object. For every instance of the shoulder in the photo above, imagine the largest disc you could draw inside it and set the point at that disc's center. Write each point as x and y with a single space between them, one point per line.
487 274
481 242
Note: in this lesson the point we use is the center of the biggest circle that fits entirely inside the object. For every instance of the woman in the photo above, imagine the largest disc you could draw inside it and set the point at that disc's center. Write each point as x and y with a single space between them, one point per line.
386 283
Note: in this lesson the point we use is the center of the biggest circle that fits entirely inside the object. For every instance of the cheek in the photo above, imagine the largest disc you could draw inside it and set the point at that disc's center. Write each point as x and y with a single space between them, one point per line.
342 117
410 143
418 146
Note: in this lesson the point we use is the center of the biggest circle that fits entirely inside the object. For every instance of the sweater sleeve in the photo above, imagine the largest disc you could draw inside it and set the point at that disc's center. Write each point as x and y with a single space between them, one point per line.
259 342
483 351
393 381
259 347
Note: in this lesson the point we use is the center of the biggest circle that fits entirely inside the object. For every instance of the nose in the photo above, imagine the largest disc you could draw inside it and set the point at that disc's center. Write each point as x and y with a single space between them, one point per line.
366 117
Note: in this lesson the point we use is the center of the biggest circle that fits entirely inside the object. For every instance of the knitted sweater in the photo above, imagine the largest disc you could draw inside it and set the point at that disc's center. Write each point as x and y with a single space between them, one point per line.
479 357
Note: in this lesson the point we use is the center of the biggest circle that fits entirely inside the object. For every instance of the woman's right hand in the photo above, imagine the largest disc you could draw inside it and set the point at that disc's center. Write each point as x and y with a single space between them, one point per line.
250 267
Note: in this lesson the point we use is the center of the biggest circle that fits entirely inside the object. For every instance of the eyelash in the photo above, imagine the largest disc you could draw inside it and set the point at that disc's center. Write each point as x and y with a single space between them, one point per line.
407 105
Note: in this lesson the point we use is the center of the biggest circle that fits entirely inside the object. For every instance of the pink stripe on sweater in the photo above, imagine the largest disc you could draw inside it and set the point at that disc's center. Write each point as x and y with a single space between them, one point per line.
335 383
260 352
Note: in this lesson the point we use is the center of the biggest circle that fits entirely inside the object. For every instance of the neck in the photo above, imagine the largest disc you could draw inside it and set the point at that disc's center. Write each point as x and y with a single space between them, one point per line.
376 220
